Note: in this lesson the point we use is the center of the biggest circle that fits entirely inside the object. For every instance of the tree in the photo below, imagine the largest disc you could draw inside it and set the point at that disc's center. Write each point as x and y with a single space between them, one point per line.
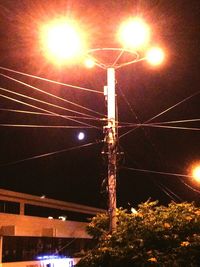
152 236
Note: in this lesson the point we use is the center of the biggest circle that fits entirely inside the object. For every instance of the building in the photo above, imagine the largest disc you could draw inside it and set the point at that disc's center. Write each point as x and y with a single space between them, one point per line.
38 232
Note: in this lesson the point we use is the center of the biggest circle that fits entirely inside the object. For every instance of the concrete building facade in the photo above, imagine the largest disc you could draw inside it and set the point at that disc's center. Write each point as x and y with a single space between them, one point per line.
23 238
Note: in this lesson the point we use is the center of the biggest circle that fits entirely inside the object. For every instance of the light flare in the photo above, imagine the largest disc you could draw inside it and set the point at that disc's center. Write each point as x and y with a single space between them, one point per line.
89 63
61 40
155 56
196 173
134 33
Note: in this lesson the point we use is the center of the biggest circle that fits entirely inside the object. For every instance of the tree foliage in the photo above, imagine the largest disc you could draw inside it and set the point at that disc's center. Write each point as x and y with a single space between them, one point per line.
153 236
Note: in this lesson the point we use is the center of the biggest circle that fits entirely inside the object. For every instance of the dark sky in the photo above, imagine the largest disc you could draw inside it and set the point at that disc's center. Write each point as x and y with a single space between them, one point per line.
143 92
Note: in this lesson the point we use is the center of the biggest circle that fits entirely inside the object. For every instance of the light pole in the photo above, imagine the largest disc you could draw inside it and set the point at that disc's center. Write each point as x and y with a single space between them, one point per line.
112 146
134 33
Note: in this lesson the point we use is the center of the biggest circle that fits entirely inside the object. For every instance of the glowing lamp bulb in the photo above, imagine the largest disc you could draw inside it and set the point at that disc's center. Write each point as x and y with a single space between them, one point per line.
81 136
61 40
134 33
196 173
89 63
155 56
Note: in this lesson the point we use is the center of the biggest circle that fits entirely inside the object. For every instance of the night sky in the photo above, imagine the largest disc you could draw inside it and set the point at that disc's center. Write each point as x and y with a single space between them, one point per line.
79 175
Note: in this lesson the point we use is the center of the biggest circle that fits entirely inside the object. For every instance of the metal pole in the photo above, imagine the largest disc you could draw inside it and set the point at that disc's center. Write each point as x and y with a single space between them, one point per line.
112 147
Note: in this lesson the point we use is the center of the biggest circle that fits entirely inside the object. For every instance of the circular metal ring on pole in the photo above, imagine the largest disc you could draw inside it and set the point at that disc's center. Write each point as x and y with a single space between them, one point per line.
92 52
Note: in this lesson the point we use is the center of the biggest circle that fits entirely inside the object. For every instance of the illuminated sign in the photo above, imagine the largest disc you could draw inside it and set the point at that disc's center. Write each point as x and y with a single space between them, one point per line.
55 261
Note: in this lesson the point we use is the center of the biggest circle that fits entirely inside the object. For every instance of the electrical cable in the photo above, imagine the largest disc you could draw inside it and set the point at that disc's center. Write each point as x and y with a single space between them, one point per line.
47 103
157 172
51 81
43 126
166 192
49 94
164 188
169 192
159 185
146 134
50 112
166 173
163 112
178 121
45 114
50 154
162 126
189 186
41 101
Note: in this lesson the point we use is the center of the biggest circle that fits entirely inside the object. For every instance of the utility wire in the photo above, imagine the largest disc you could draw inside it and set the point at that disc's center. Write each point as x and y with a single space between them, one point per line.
50 154
45 110
178 121
45 114
190 187
169 192
160 126
49 94
51 81
146 134
42 126
166 173
163 112
157 172
47 103
165 189
41 101
162 122
166 192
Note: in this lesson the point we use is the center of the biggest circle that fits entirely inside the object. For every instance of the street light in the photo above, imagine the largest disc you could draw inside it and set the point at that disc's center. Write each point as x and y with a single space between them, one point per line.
196 173
155 56
133 34
61 40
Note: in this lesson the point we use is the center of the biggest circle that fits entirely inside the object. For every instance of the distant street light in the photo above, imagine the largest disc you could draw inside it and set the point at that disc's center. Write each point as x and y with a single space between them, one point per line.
196 173
134 34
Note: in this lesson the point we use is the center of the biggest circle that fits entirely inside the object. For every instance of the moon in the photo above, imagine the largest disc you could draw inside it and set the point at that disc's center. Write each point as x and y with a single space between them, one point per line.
81 136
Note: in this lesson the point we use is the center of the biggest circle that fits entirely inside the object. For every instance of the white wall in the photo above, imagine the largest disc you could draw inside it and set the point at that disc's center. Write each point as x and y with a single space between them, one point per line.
21 225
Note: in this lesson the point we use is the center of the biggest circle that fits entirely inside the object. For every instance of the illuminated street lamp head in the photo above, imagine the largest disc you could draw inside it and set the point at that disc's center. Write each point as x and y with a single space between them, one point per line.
134 33
196 173
155 56
89 63
61 40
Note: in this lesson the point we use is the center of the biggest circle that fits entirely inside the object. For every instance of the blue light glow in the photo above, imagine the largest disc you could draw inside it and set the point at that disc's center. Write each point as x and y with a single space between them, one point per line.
56 261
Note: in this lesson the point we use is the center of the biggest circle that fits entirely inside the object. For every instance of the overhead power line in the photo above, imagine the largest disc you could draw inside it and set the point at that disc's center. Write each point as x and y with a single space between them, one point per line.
168 174
45 114
163 112
189 186
178 121
173 196
43 126
157 172
51 81
160 126
49 94
50 154
43 102
45 110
